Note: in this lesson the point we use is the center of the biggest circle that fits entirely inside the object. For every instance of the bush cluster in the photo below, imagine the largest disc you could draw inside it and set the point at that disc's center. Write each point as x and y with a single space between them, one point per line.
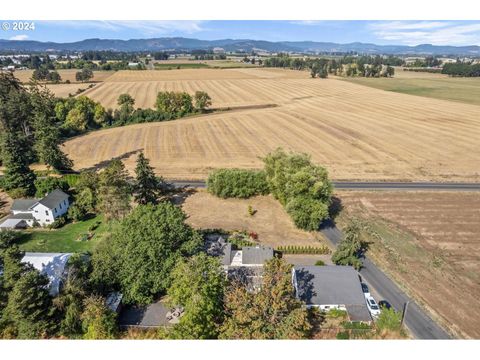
301 186
294 249
237 183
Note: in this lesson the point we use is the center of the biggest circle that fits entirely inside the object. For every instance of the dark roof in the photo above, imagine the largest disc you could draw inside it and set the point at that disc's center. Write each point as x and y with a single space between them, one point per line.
23 204
227 254
256 254
22 216
54 198
332 285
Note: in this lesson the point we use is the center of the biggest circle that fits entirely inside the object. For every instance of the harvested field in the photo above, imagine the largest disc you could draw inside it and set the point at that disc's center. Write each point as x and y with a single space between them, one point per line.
271 222
67 74
64 90
357 132
430 243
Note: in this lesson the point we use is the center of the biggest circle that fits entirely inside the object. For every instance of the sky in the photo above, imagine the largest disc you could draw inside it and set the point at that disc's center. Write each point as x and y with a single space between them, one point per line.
411 32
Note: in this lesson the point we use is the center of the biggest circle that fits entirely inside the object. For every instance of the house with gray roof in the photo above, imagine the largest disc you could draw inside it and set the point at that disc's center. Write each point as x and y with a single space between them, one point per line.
331 287
27 212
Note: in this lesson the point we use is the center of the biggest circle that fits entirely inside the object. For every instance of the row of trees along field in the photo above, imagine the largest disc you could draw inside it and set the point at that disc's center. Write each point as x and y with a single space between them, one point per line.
367 66
461 69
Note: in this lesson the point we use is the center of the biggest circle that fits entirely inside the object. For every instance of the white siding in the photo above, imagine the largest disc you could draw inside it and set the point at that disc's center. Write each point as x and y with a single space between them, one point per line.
43 215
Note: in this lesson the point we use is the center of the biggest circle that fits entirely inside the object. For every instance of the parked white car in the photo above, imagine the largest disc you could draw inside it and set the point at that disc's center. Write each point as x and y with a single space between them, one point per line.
373 307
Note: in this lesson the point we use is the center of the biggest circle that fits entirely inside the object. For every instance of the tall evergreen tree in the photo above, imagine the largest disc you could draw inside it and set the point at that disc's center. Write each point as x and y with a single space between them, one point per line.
29 308
18 174
148 187
114 192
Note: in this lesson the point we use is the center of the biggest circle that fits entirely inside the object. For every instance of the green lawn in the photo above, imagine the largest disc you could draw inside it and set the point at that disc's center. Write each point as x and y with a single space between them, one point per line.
65 239
465 90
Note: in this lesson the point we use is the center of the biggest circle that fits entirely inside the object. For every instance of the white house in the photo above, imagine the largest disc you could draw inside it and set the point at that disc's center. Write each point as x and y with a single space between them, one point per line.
27 212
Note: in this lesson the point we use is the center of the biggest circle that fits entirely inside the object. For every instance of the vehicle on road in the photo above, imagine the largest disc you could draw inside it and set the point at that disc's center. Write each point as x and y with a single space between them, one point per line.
385 304
373 307
366 290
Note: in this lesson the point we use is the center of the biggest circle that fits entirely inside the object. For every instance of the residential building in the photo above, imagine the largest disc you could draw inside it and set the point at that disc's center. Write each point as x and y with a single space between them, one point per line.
27 212
331 287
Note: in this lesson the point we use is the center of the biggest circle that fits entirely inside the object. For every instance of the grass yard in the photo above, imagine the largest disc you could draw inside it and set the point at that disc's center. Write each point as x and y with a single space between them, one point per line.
64 239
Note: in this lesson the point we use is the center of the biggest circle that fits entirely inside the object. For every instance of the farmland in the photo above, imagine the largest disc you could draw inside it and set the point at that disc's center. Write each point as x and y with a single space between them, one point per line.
430 243
25 75
358 132
438 86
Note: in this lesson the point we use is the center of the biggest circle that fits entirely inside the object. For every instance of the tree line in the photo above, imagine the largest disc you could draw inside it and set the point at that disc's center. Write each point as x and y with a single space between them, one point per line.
461 69
367 66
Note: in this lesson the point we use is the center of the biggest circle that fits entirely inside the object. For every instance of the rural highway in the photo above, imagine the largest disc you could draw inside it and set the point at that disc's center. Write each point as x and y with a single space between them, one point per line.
417 321
354 185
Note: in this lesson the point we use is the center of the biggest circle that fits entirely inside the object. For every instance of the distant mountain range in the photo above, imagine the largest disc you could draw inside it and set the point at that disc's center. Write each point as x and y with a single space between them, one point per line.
185 44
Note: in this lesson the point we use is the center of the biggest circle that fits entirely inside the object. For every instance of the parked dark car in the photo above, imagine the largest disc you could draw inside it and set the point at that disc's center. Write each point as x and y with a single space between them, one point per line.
385 304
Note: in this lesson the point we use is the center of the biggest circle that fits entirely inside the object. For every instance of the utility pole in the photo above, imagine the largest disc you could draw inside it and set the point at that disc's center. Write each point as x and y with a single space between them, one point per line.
404 314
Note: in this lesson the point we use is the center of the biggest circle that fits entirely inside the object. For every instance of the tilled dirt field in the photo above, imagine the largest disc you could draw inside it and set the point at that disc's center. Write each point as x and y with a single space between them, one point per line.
430 242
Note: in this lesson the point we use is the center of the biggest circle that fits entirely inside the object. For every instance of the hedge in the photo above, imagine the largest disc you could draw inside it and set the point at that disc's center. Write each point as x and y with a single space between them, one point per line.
294 249
237 183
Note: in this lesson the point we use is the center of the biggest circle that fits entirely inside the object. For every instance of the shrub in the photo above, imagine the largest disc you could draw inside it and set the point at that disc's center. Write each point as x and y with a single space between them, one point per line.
337 313
241 239
94 226
319 263
58 223
389 320
307 213
18 193
46 185
343 335
294 249
237 183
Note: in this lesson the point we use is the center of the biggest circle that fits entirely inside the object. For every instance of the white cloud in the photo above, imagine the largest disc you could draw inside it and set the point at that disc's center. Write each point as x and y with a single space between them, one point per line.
19 37
305 22
147 27
428 32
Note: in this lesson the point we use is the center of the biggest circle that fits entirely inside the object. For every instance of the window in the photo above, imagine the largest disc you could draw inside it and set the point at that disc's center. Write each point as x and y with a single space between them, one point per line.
60 206
65 202
46 212
55 210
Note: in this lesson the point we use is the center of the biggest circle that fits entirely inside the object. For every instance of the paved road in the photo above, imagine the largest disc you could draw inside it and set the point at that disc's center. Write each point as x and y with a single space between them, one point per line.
350 185
417 321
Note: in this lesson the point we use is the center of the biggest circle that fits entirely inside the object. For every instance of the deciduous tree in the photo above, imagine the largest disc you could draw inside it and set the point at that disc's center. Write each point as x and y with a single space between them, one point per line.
272 313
